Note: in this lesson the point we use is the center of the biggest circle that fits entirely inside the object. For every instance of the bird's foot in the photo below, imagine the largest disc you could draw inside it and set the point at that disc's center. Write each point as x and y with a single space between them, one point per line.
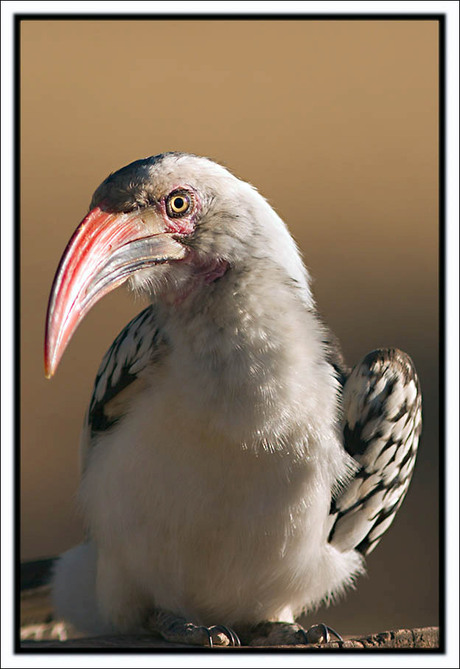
179 630
286 634
322 633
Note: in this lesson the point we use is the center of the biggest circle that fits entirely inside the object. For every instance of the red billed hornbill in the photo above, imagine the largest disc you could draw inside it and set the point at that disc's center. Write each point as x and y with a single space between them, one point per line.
235 471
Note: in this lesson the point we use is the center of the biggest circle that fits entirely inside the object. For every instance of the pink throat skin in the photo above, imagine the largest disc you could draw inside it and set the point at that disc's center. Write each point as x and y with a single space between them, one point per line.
205 273
214 271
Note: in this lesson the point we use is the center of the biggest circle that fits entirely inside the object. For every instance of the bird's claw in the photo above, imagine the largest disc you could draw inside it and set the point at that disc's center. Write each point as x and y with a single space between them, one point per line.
289 634
177 629
231 635
320 633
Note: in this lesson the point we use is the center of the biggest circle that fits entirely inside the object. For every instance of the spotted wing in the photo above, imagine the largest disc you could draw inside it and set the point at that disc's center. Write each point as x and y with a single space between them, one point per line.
121 376
382 424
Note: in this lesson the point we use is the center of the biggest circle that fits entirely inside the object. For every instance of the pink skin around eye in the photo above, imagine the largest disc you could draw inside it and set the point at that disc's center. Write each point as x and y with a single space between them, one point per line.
205 271
183 225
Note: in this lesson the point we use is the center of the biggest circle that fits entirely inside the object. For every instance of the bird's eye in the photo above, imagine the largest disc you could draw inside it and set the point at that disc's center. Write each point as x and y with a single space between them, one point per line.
178 204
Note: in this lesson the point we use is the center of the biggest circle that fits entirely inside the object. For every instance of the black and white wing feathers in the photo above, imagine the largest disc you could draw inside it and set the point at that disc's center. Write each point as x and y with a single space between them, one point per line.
382 425
121 376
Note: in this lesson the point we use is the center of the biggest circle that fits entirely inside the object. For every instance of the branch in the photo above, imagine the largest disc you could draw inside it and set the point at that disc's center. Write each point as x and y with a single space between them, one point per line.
39 630
422 638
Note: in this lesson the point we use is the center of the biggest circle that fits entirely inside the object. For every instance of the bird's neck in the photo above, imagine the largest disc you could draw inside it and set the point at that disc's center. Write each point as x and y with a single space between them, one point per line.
256 321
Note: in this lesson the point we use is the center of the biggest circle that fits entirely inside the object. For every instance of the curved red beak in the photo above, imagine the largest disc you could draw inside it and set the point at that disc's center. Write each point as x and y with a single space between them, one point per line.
102 254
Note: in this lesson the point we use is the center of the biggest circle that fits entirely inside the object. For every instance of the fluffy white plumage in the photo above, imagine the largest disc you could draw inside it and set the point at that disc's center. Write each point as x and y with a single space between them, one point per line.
213 446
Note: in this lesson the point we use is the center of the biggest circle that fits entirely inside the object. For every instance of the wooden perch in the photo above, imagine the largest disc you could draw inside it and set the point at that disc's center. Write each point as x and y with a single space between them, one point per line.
39 631
421 638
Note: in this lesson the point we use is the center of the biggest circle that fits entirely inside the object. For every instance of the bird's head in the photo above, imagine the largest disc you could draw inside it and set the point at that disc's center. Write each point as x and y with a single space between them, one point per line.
172 224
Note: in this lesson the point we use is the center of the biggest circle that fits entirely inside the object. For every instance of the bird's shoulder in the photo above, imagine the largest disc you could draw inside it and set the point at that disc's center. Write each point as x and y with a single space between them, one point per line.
121 374
382 424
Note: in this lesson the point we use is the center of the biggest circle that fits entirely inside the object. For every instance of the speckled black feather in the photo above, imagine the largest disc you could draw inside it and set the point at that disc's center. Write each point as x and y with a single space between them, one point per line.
124 351
392 477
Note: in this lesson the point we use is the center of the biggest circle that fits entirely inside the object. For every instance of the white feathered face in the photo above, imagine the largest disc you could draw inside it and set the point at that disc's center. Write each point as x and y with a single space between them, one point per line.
172 224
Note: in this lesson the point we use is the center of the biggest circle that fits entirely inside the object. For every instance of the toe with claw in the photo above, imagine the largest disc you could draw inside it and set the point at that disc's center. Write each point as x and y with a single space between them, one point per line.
175 629
232 636
321 633
287 634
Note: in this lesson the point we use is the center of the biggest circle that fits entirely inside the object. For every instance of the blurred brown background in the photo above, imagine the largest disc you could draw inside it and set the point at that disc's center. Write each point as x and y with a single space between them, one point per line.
336 123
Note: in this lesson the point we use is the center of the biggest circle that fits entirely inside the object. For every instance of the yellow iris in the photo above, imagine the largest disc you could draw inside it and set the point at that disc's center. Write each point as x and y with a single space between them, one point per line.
179 204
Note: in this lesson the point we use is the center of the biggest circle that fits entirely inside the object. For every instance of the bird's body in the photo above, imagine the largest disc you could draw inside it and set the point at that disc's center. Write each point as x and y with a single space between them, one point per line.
217 485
